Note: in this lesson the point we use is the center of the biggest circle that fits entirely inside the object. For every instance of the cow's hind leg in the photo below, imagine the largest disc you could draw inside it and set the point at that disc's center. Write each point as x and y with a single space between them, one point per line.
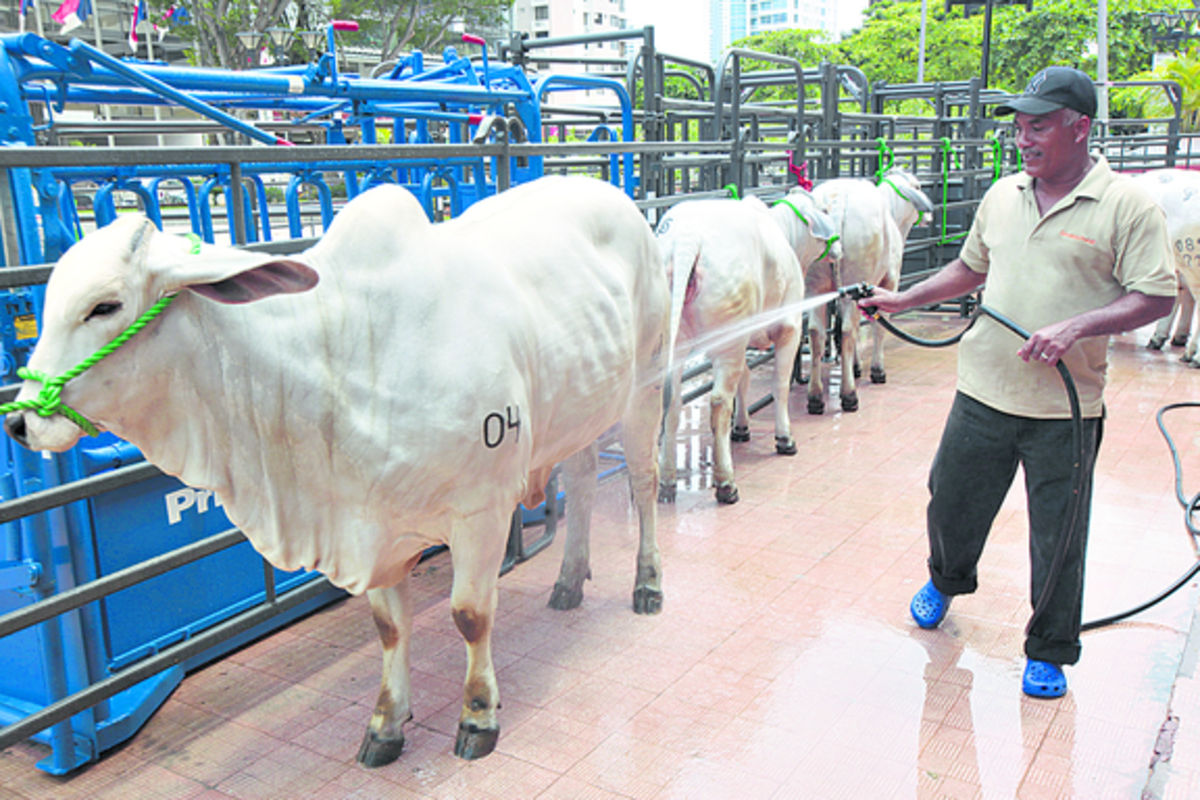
728 366
579 478
1183 325
638 440
476 552
817 323
385 734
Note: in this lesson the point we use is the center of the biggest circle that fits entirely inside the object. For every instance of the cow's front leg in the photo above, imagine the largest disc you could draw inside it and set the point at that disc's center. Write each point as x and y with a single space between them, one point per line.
579 481
787 344
476 552
878 373
392 612
638 440
817 324
741 411
849 327
672 403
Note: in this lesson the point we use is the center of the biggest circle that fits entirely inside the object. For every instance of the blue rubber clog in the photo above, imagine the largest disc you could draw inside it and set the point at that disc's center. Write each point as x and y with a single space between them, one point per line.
1043 679
929 606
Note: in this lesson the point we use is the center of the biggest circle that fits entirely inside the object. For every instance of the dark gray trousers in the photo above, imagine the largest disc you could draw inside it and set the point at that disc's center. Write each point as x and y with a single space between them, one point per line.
972 472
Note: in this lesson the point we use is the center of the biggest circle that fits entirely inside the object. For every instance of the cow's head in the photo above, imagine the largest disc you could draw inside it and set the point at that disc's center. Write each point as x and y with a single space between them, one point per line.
811 231
903 188
101 286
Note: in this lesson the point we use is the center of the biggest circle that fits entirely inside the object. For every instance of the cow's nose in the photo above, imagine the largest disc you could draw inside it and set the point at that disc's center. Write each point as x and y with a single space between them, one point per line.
14 425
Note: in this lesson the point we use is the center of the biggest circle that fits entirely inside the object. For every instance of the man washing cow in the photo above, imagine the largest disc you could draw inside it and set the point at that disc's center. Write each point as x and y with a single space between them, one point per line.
1074 253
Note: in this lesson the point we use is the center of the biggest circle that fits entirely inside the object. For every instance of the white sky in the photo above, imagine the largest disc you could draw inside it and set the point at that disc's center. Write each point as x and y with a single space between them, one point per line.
681 26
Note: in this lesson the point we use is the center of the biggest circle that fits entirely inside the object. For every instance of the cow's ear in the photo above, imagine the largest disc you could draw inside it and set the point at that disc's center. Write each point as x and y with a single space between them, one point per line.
282 276
821 224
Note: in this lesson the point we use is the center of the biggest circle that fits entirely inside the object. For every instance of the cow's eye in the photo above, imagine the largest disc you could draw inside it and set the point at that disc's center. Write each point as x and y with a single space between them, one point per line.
102 310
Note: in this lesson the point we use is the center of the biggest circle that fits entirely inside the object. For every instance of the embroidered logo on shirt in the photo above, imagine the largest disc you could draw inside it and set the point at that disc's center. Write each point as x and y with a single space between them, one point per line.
1077 237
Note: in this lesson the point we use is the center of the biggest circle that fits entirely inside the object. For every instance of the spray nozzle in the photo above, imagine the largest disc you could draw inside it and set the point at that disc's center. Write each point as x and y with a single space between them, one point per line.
857 291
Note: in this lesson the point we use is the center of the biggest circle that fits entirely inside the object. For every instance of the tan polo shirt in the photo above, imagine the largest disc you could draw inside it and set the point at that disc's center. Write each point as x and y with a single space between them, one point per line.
1104 239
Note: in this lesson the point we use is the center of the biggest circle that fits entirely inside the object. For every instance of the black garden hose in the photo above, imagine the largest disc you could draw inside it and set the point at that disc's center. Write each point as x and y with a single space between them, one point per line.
1068 532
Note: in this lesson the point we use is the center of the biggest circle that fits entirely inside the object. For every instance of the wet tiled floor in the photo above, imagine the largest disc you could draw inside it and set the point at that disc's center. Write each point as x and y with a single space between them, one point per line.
784 663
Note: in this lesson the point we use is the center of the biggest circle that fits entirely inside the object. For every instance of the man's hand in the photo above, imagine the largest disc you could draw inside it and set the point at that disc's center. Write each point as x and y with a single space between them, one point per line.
1050 343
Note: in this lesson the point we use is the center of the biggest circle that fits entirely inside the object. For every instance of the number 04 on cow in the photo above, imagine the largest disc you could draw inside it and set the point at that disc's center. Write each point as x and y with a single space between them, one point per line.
398 385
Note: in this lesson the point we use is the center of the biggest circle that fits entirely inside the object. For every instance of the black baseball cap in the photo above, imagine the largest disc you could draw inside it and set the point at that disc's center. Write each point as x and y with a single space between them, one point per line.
1051 89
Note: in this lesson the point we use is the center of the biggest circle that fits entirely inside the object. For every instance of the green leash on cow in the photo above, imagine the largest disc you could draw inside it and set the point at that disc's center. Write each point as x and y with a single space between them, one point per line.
49 400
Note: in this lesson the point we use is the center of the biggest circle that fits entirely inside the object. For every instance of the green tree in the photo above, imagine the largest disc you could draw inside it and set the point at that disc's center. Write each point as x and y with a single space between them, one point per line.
885 48
396 26
1150 102
1064 32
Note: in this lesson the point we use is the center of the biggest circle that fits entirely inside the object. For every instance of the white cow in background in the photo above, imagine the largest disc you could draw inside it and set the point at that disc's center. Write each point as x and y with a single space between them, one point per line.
737 268
1177 192
873 221
398 385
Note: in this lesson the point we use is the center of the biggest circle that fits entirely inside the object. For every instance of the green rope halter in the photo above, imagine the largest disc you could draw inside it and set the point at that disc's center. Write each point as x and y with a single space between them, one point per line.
732 189
828 242
947 154
997 154
789 204
896 189
886 159
49 400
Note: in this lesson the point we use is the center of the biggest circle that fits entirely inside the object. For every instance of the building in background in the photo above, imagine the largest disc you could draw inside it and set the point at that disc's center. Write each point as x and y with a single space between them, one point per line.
736 19
552 19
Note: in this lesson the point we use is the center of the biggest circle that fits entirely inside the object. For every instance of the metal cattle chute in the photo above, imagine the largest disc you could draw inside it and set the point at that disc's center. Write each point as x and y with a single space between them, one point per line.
115 580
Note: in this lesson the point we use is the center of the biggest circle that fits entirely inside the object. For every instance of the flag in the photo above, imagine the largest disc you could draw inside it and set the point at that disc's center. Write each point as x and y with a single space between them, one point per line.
72 14
175 15
139 14
22 10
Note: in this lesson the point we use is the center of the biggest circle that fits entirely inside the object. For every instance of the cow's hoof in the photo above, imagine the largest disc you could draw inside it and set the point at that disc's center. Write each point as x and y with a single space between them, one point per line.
850 402
473 743
739 434
666 492
816 405
647 600
727 493
785 445
1156 342
1179 341
377 751
857 371
878 375
564 598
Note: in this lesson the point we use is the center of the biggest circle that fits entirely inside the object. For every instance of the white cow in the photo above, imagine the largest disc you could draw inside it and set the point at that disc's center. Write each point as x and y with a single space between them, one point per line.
737 281
873 221
1177 192
398 385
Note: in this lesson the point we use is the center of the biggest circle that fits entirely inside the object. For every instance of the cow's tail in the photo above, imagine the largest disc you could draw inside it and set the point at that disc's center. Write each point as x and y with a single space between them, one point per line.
683 255
837 213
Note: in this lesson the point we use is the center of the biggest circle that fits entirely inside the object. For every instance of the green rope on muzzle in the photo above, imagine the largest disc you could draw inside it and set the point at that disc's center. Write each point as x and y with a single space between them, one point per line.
49 400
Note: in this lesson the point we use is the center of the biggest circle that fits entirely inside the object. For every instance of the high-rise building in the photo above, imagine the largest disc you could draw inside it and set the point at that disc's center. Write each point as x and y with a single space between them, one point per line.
736 19
543 19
